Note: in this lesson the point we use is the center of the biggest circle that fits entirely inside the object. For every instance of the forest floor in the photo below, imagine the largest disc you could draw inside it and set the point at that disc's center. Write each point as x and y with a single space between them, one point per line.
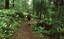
25 31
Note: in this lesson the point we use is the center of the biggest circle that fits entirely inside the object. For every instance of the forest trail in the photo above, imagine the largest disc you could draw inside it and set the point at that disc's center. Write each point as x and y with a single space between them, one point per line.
25 31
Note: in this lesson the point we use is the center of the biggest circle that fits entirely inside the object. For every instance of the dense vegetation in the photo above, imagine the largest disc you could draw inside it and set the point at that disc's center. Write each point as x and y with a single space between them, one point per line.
9 22
52 23
50 14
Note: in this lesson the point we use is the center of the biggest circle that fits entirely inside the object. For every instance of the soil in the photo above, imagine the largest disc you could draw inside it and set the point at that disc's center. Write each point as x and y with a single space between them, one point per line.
25 31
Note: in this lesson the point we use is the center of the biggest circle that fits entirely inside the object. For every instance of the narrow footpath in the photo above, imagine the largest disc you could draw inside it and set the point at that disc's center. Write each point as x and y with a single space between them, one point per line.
25 31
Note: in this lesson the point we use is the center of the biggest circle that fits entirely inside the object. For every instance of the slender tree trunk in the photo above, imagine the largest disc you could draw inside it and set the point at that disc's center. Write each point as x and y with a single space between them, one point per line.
40 9
40 15
33 7
6 4
25 5
13 3
37 13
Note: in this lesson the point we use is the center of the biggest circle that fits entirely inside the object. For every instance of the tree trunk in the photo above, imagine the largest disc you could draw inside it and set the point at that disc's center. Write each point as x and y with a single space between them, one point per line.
13 3
40 15
37 13
33 9
6 4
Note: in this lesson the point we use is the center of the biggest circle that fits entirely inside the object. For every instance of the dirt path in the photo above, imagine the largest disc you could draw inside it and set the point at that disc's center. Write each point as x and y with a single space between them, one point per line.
25 32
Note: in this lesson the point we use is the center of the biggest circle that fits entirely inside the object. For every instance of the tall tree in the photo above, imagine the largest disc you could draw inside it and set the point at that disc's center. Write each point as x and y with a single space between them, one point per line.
13 3
6 4
38 7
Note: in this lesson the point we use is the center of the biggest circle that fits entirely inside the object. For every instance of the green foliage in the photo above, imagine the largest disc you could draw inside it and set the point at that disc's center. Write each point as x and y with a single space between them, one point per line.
52 14
2 4
9 23
38 30
9 11
21 5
